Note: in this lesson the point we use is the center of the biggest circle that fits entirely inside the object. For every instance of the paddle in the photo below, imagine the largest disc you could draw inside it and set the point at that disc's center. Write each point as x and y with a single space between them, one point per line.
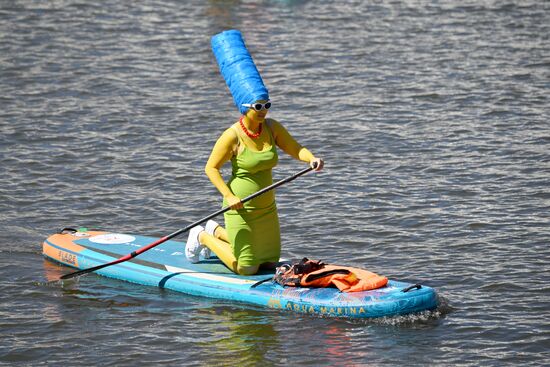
183 230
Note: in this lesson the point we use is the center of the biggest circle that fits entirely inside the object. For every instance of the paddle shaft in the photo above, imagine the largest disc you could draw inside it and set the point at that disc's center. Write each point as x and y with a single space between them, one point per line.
183 230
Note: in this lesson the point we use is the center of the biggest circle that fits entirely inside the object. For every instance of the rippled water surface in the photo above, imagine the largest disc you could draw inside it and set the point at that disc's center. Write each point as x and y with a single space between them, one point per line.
433 119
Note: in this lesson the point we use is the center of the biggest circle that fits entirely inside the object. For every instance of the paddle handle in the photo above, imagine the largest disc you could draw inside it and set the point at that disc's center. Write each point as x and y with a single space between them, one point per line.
194 224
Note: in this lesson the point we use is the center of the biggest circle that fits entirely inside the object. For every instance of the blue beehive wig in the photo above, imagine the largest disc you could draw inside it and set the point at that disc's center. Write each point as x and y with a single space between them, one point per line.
238 69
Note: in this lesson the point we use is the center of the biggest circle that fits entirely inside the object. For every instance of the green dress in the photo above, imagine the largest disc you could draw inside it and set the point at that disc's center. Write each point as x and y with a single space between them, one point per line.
254 231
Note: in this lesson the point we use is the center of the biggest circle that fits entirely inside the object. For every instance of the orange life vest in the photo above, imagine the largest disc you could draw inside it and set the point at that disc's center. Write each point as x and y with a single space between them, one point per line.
314 273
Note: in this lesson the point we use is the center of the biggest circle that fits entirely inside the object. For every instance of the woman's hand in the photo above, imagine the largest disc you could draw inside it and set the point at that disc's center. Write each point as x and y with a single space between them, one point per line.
234 202
317 164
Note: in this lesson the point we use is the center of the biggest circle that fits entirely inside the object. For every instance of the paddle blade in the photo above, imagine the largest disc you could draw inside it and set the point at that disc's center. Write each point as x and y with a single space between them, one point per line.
84 271
77 273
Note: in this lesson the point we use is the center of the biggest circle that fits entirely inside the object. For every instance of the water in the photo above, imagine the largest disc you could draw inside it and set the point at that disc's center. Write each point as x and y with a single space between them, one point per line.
433 121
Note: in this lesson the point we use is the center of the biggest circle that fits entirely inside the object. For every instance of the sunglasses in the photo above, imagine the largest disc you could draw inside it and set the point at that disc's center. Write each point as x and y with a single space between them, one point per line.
258 106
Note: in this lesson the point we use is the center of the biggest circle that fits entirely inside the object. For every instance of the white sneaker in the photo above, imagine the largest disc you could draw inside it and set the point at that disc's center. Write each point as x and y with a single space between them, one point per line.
193 247
211 226
205 253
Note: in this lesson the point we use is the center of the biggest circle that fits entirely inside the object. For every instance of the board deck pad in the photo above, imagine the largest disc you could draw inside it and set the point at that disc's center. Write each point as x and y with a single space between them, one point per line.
167 267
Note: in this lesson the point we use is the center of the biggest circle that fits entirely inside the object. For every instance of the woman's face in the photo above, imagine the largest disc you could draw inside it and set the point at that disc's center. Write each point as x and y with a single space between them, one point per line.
258 115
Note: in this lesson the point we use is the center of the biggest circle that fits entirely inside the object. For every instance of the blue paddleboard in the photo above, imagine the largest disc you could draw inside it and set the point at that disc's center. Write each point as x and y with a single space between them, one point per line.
166 266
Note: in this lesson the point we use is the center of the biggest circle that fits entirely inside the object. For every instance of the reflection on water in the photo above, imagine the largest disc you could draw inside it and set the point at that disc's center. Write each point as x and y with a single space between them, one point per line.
241 336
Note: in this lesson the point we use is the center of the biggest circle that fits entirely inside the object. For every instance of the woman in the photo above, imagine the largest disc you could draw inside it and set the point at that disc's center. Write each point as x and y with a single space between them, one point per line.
252 238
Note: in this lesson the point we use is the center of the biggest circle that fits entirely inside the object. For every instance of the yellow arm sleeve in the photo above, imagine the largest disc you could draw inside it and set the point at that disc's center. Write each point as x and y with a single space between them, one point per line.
221 153
286 142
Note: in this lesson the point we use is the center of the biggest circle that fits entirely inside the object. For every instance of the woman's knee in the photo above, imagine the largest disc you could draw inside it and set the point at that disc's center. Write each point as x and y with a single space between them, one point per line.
248 270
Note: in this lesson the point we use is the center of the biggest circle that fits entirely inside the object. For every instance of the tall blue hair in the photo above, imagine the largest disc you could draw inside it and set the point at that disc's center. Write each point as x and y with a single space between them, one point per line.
238 69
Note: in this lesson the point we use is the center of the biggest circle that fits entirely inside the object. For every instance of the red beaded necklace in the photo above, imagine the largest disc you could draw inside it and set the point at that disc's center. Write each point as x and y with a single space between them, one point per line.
247 132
